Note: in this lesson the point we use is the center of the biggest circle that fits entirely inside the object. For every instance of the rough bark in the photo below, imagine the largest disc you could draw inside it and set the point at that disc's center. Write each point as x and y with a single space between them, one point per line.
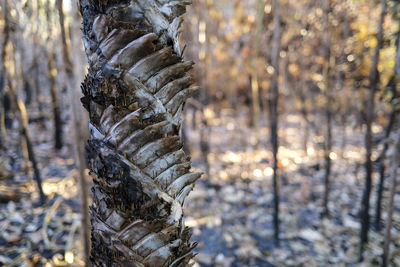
370 106
134 92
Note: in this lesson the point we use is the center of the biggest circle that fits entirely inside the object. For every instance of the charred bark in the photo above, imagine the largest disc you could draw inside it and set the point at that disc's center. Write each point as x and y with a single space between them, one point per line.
134 92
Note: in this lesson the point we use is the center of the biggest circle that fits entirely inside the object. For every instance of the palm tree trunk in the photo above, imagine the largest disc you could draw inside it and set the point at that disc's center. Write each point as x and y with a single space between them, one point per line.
134 92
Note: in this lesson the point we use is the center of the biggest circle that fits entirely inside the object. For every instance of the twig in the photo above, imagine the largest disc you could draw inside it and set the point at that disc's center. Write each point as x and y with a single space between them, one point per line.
47 219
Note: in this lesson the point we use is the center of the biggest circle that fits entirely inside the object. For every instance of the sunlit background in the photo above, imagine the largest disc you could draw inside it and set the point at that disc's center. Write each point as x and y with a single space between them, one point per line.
226 131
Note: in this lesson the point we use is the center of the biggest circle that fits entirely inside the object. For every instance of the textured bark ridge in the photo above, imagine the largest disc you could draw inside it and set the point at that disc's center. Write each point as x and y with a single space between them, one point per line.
134 92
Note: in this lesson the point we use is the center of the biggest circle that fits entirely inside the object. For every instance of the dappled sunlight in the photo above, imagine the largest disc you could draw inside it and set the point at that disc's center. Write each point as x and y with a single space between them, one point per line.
241 180
221 133
66 186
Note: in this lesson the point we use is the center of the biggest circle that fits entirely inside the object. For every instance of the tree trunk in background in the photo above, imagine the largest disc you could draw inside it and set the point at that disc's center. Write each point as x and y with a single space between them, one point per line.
78 136
389 127
328 102
370 105
9 72
205 142
51 74
341 76
273 109
254 77
395 159
134 92
36 52
306 122
204 30
3 95
55 102
26 133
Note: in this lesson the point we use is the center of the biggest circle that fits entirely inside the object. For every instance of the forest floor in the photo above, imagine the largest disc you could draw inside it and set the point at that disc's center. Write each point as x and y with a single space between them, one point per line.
230 212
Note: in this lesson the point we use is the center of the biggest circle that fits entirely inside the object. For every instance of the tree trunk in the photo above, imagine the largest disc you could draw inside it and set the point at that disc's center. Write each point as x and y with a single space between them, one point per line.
36 54
134 92
373 78
51 74
328 102
204 29
395 165
78 136
9 72
305 121
254 76
3 93
389 127
273 108
205 142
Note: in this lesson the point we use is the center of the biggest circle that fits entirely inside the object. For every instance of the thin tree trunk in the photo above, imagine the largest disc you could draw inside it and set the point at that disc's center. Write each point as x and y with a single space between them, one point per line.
36 52
51 74
205 142
328 113
370 106
134 92
306 122
343 118
395 165
58 143
273 106
254 76
6 37
204 95
19 104
78 136
31 153
392 119
3 129
342 77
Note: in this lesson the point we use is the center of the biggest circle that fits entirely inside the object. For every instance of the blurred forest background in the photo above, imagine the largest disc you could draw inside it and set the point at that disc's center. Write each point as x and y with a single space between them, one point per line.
295 126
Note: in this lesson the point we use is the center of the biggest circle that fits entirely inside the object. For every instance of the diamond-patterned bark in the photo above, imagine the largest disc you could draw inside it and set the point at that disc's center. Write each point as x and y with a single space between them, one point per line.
134 92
